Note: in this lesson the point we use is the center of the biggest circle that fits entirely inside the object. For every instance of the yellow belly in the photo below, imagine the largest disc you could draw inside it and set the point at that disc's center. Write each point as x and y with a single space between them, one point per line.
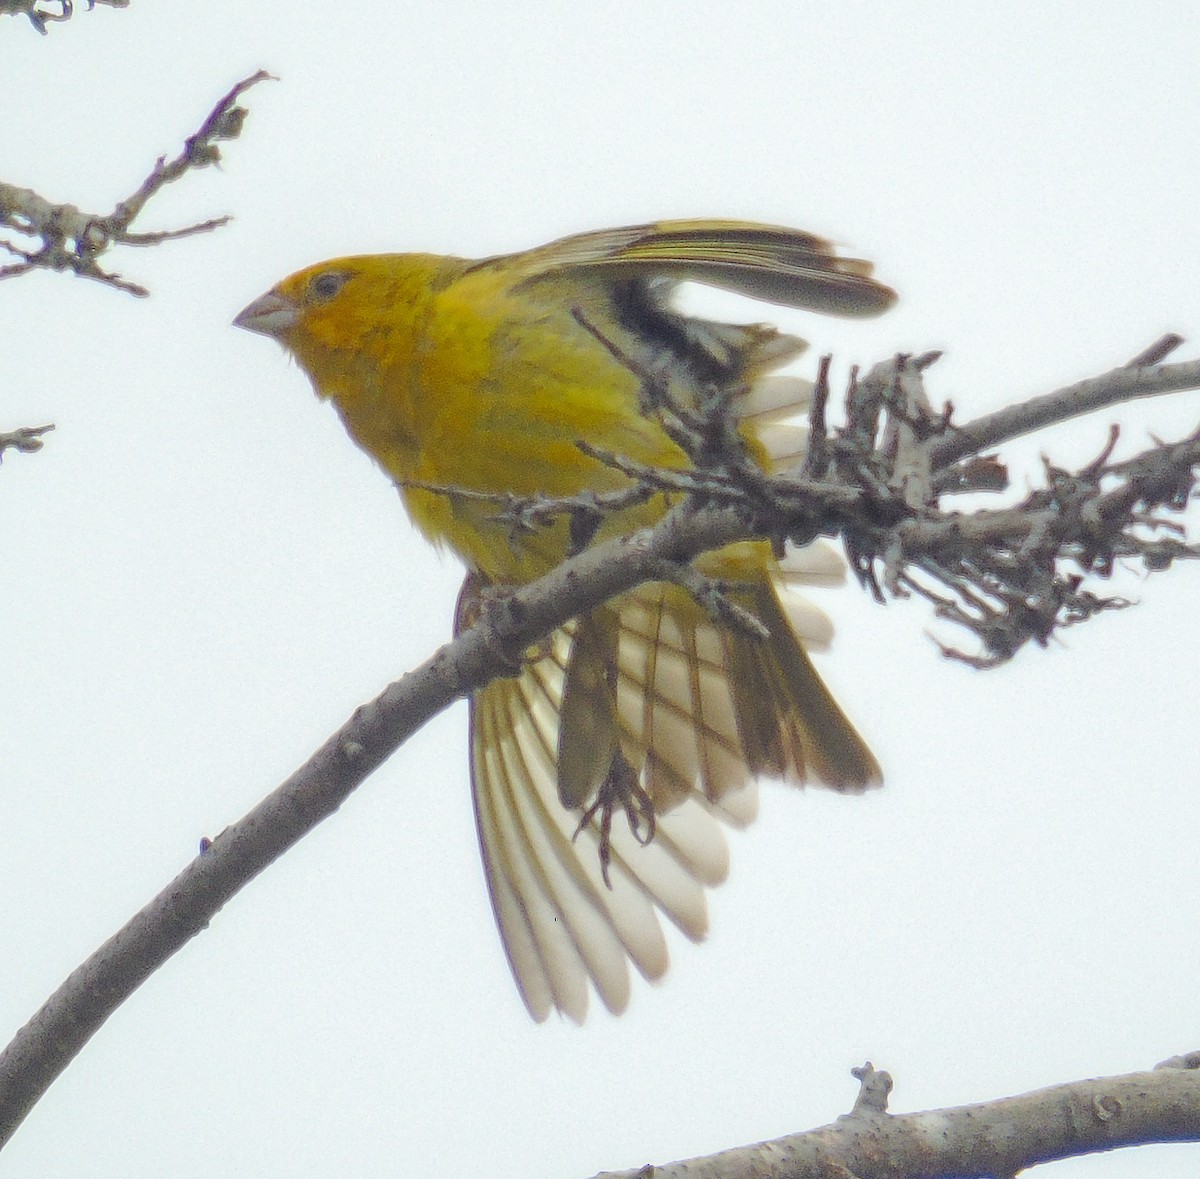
492 401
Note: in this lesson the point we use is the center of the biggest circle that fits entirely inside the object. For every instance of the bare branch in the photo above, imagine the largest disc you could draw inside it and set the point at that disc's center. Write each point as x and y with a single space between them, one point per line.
995 1138
39 15
62 237
491 647
1126 383
1010 576
878 483
528 513
25 438
1016 574
1157 352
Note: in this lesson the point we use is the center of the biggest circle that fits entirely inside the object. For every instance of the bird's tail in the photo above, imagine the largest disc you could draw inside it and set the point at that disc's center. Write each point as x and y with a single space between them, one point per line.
679 713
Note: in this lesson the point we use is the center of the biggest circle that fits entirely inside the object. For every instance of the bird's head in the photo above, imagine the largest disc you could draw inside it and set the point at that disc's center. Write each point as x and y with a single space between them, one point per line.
345 308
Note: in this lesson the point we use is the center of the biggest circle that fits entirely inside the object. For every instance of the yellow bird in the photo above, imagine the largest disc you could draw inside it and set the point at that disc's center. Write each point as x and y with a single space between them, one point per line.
468 380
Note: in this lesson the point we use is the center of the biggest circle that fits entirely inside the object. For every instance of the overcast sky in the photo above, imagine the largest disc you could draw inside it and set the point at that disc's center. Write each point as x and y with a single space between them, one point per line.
202 578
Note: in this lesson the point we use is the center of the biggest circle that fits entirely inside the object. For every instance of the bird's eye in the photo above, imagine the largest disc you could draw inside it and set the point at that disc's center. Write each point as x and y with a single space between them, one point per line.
326 285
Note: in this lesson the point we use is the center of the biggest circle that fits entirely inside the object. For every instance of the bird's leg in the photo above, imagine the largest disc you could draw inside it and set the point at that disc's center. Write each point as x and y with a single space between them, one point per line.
620 788
479 597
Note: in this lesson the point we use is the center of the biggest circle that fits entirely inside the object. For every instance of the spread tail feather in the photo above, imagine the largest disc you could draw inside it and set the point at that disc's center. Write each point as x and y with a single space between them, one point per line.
700 712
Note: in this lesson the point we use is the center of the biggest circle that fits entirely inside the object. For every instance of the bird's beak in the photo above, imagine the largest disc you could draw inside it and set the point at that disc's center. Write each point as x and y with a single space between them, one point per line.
269 315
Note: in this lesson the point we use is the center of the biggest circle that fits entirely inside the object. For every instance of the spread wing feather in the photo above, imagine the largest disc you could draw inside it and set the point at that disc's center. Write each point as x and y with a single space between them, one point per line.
701 710
767 262
681 720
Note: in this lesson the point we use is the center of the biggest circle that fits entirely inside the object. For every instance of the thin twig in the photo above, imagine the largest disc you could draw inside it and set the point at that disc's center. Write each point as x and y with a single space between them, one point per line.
26 438
1126 383
69 239
40 16
1002 575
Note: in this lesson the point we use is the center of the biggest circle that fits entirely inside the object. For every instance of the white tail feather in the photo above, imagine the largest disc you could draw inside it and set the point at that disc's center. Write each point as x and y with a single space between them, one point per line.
818 563
775 396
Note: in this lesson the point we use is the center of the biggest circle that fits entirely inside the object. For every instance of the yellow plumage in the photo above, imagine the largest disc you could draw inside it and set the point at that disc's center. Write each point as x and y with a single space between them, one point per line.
470 379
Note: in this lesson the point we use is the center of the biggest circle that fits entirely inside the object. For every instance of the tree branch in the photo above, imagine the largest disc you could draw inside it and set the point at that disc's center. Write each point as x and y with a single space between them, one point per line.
52 1038
993 1139
1126 383
1009 575
24 438
40 16
67 239
876 482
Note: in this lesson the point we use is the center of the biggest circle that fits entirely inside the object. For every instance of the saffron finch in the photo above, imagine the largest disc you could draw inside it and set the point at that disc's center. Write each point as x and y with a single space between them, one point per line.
470 380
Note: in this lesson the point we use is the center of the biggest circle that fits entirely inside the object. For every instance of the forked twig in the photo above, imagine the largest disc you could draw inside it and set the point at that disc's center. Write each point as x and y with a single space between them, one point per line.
65 238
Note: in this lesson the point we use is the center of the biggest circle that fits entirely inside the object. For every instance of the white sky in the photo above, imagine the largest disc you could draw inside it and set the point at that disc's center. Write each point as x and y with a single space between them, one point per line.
202 578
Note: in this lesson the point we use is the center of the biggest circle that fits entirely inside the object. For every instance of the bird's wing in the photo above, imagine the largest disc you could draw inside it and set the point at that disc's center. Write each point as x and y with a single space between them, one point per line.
779 265
682 719
560 922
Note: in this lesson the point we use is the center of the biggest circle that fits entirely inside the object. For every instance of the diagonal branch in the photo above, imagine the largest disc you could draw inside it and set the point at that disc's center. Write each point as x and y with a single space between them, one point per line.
65 238
994 1138
877 484
72 1015
1010 575
1143 376
25 438
40 14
